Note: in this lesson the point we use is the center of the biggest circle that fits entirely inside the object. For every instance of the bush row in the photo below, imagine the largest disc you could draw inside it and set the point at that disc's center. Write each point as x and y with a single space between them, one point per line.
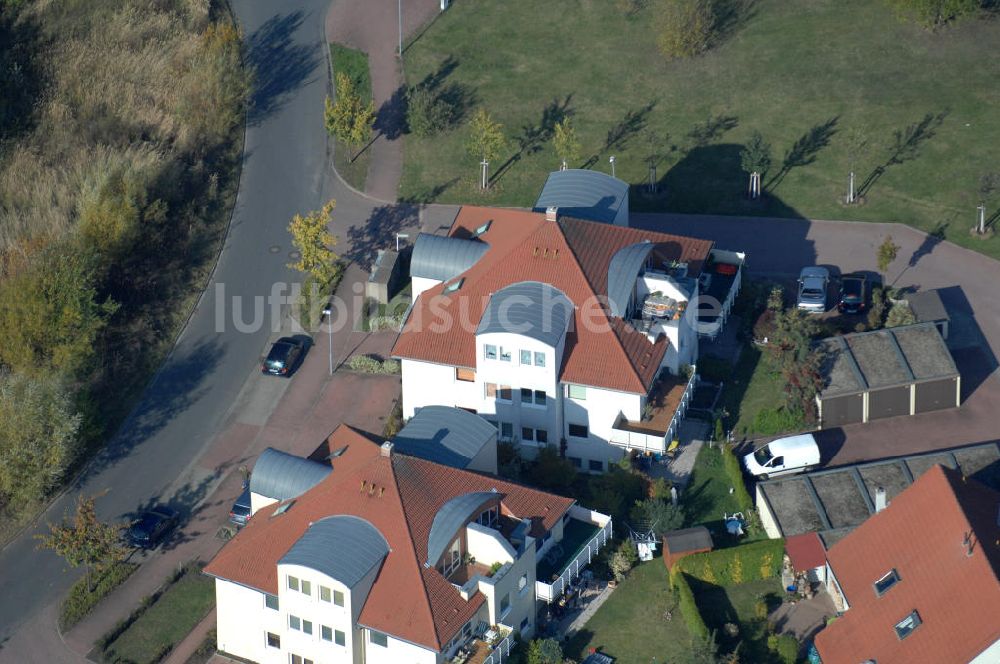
731 466
81 600
687 604
372 365
735 565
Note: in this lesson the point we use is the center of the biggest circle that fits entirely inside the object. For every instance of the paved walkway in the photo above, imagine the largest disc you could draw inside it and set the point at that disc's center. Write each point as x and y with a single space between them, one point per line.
803 618
373 27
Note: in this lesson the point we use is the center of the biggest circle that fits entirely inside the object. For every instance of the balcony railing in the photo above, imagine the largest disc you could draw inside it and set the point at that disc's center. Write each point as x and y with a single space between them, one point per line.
720 289
655 435
551 590
501 651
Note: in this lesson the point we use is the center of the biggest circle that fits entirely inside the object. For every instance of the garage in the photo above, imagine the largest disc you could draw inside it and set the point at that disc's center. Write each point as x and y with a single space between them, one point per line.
885 373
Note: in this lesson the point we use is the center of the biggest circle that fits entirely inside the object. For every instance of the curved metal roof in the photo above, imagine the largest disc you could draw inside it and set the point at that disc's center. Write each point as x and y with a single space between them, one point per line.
623 270
529 308
452 516
345 548
442 258
584 194
446 435
282 476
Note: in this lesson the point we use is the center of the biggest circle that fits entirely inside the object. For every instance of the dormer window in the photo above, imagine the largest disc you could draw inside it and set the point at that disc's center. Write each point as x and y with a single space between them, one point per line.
883 585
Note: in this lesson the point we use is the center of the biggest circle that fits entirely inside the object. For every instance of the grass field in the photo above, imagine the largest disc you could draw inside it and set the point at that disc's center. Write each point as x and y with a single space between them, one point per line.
805 73
735 604
355 64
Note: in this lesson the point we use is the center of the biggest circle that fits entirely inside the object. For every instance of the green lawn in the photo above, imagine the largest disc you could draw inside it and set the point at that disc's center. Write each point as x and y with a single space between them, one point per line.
355 64
630 625
164 624
707 498
736 604
802 72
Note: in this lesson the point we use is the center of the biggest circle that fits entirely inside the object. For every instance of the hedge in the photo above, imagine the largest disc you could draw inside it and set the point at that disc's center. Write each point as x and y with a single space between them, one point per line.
80 601
731 466
372 365
785 646
735 565
686 603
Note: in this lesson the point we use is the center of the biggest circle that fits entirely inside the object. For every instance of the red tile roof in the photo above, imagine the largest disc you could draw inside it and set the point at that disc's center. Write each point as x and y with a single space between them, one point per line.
407 600
571 255
805 551
921 535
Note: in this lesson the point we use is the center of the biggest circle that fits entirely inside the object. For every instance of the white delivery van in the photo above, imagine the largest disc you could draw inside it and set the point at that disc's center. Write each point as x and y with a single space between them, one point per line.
783 456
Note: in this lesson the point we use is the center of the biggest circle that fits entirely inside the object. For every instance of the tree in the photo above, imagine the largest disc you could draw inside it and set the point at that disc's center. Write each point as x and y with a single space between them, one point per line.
348 118
315 244
704 651
86 541
755 158
38 435
886 254
551 471
792 354
876 315
685 27
545 651
857 147
565 142
486 140
427 113
657 514
900 314
361 126
935 13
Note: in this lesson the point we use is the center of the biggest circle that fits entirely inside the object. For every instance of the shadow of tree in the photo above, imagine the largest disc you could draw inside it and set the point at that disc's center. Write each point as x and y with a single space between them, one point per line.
533 137
390 119
189 503
803 152
933 239
279 65
712 129
379 231
905 146
457 97
430 194
730 16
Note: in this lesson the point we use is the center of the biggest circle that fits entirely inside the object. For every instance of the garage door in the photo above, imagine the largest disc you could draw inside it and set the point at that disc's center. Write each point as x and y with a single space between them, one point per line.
838 411
889 403
935 395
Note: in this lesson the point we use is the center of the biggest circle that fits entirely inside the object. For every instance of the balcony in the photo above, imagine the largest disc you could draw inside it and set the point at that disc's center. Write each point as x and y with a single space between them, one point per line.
719 285
583 536
492 647
665 408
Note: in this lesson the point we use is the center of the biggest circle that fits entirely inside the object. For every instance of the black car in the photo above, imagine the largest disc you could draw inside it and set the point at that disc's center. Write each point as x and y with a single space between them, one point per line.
151 527
853 293
284 358
239 514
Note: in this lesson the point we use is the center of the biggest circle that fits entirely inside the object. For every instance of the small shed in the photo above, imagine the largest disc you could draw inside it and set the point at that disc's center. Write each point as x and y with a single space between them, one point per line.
383 282
680 543
807 555
928 308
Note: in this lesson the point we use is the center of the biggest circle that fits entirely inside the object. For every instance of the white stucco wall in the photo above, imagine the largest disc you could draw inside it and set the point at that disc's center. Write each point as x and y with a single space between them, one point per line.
397 652
599 411
243 621
989 656
522 601
429 384
257 501
420 284
488 546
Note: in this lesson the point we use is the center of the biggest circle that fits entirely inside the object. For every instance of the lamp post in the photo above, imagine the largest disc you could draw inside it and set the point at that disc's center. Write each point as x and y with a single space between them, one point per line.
398 236
400 14
328 314
612 160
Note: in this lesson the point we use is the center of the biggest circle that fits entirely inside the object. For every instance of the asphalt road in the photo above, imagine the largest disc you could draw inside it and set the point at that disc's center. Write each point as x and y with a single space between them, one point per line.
286 170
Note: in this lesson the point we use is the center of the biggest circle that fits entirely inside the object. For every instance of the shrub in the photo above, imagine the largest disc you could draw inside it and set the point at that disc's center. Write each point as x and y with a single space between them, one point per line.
900 314
551 471
731 466
876 315
377 323
758 560
687 604
545 651
934 13
786 647
427 112
372 365
619 565
656 513
615 492
686 27
394 422
79 601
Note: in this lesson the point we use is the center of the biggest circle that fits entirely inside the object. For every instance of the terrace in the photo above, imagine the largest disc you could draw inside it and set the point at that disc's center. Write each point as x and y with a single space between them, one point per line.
665 407
583 536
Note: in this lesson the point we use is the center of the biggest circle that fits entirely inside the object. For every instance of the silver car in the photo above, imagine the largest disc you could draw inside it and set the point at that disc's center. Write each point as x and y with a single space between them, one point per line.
813 283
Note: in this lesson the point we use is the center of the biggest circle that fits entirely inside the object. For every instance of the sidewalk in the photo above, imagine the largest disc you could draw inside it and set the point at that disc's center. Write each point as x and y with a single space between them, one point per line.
372 26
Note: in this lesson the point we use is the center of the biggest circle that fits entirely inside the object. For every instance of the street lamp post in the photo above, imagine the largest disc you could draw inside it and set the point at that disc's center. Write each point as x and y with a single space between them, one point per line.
398 236
612 160
328 314
400 14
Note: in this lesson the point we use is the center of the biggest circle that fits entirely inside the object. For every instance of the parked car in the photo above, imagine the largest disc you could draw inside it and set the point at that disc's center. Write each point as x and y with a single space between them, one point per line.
853 294
813 283
150 527
783 456
285 356
239 514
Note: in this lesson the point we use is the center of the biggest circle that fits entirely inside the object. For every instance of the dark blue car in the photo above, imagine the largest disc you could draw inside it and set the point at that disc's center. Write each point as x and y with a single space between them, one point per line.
151 527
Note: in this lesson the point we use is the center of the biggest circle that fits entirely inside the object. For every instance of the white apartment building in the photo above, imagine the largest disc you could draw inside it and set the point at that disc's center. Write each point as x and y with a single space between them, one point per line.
373 556
560 331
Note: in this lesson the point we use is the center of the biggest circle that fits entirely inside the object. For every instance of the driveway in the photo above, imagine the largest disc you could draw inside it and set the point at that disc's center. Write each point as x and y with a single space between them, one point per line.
783 246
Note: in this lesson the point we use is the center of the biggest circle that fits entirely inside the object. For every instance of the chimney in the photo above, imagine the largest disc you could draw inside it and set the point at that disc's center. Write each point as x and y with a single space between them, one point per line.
387 449
551 213
879 499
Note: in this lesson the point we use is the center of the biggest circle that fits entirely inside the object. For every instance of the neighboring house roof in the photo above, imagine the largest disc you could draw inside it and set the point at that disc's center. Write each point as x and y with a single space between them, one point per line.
584 194
927 306
442 258
571 255
281 476
942 537
400 496
529 308
884 358
806 551
450 436
359 545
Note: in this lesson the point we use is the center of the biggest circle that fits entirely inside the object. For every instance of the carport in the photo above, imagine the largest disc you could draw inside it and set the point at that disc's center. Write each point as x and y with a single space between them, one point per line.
885 373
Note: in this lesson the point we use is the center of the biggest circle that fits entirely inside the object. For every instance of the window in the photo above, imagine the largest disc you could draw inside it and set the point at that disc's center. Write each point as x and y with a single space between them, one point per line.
485 227
506 430
526 357
596 464
489 517
491 390
577 392
271 602
504 355
338 598
490 351
326 633
273 640
524 624
465 375
505 604
888 581
539 359
307 626
338 637
283 508
306 588
541 436
506 394
576 461
453 286
578 430
539 397
527 433
299 659
293 583
906 626
522 583
378 638
525 395
324 594
294 622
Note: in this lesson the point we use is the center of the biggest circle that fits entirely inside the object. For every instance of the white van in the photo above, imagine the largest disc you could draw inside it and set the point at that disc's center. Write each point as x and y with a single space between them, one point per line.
783 456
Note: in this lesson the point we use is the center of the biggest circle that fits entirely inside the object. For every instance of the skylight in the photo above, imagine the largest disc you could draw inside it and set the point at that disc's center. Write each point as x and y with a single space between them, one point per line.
485 227
906 626
454 286
283 508
883 585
